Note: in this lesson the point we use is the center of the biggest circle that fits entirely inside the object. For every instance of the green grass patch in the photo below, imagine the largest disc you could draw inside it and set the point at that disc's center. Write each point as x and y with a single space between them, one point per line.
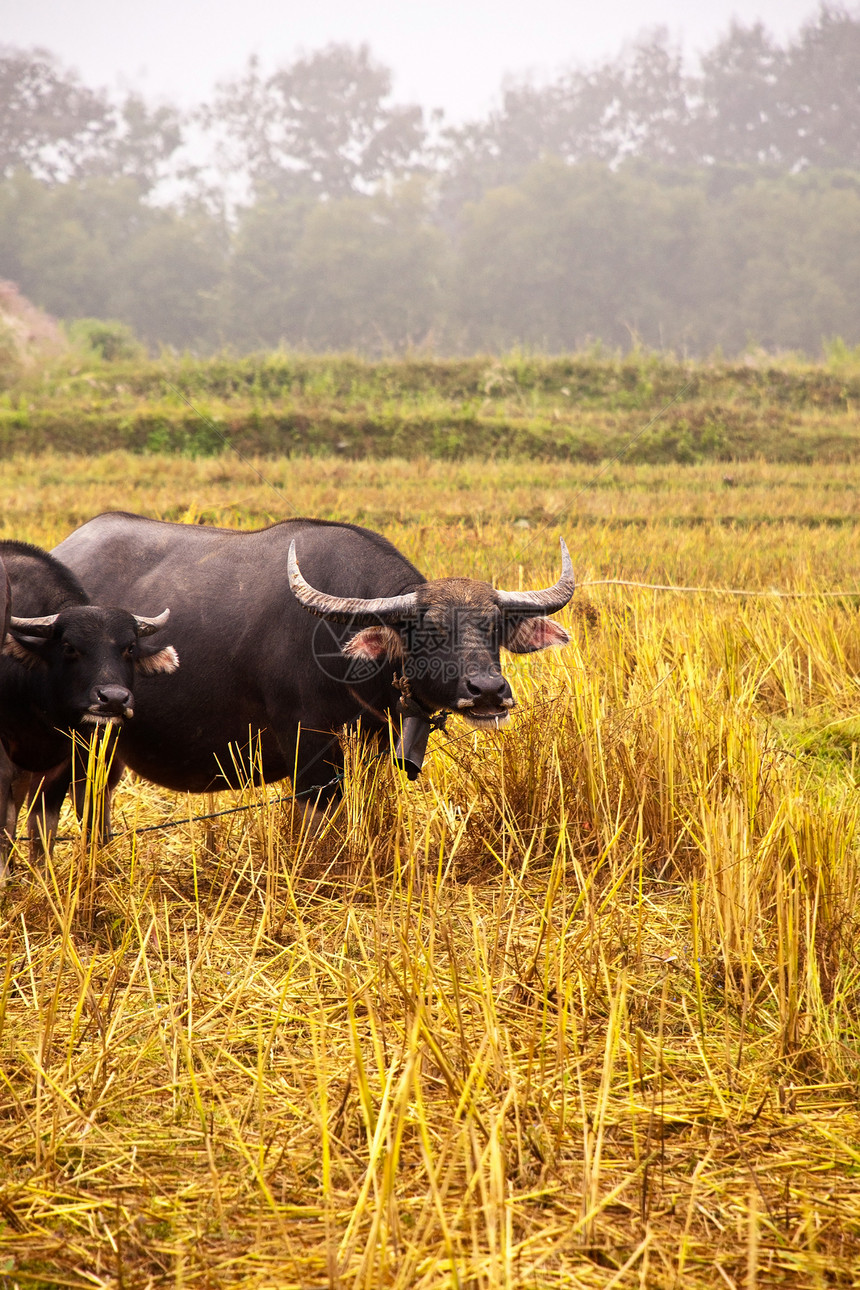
646 408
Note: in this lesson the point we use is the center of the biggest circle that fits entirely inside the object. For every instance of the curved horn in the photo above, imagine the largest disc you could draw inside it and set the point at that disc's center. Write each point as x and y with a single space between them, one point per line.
33 626
146 626
351 609
547 601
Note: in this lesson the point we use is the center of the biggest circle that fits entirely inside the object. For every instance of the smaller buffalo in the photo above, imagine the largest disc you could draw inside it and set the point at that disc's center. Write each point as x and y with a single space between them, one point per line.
7 770
66 667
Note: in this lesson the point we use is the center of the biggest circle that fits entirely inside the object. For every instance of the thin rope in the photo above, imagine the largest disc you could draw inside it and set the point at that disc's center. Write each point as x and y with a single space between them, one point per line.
211 815
773 593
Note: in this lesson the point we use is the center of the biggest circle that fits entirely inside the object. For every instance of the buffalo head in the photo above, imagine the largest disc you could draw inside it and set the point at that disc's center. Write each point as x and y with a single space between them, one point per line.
445 636
88 656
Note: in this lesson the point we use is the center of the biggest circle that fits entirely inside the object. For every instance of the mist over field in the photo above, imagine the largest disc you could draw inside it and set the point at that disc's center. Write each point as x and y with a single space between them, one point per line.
643 199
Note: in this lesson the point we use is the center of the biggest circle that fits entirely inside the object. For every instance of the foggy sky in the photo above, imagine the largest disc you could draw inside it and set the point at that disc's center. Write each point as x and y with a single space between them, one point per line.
451 54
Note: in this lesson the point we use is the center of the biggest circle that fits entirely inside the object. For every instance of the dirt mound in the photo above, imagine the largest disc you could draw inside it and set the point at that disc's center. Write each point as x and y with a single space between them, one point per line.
27 334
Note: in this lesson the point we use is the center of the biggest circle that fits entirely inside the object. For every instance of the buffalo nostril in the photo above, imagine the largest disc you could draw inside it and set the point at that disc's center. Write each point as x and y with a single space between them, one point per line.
116 696
492 686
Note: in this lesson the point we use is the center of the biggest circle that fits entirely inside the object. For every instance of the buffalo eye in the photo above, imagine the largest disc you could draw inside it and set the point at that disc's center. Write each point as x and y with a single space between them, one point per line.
128 652
69 650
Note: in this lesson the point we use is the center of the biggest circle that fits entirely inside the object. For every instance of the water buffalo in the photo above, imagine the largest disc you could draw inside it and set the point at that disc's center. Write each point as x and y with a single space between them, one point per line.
66 666
7 770
289 633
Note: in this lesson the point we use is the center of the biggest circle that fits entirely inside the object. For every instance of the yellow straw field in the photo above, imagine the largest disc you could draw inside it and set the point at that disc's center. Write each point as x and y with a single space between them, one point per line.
578 1008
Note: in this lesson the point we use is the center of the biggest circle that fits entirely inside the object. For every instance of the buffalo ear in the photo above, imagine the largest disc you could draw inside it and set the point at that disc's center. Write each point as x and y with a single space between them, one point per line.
374 643
28 650
527 635
161 660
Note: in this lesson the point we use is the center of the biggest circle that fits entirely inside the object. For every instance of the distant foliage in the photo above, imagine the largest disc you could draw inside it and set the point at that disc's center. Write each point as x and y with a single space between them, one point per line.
93 248
637 201
112 341
751 102
57 129
322 126
360 273
686 260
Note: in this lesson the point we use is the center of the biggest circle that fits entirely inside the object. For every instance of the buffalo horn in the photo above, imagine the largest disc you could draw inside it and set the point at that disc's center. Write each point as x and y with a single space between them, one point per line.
352 609
33 626
146 626
547 601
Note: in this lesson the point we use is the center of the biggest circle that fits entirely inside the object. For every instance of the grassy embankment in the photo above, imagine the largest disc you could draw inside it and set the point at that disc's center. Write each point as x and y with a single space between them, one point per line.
579 1008
577 409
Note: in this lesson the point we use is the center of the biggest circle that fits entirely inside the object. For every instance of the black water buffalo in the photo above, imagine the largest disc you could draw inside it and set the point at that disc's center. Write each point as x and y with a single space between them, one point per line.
5 600
7 770
66 666
264 681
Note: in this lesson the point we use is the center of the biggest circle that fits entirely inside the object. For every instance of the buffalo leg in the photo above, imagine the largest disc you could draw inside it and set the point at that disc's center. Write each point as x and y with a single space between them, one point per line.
46 801
97 811
8 811
17 785
89 808
319 770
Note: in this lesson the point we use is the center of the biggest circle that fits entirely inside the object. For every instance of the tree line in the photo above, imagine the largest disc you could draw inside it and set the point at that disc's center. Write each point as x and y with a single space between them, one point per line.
635 200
